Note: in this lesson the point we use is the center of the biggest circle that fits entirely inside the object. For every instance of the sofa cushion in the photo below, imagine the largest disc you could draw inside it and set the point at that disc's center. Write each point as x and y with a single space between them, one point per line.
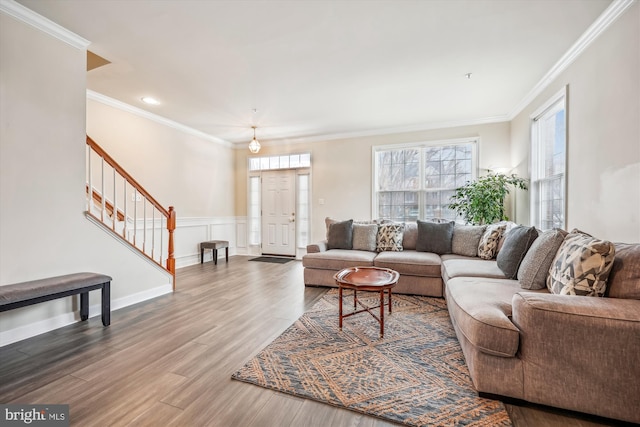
470 267
340 235
410 235
488 247
337 259
534 268
435 237
514 249
581 266
624 278
481 308
411 263
389 237
364 237
466 239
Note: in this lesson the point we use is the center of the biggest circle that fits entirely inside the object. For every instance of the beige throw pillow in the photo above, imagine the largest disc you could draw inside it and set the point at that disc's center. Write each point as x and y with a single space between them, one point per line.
365 237
534 269
466 239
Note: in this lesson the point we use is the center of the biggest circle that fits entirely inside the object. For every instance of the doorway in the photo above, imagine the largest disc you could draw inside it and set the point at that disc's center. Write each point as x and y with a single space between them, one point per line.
278 223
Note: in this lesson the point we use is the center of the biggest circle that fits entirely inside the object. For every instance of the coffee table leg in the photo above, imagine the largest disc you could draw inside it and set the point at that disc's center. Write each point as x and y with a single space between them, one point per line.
355 299
382 313
389 300
340 306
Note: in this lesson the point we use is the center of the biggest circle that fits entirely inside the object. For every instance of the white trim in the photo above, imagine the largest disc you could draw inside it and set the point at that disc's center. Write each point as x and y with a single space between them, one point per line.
26 15
381 131
599 26
40 327
562 93
95 96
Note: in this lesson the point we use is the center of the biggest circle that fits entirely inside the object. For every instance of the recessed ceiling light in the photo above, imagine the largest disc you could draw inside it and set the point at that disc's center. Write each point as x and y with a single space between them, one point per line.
468 76
149 100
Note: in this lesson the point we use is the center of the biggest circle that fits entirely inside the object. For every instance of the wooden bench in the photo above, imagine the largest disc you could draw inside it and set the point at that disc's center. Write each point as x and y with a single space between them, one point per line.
37 291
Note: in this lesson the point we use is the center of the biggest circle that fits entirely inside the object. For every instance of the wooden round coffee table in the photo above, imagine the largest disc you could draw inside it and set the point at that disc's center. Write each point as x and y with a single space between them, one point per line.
373 279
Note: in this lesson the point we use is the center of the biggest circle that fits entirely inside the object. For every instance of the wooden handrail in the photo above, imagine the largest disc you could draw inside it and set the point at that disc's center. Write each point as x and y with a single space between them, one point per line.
169 214
97 197
126 176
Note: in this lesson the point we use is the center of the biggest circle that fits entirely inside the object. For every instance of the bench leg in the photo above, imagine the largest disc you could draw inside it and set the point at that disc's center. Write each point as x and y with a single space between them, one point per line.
226 253
84 305
215 257
201 255
106 304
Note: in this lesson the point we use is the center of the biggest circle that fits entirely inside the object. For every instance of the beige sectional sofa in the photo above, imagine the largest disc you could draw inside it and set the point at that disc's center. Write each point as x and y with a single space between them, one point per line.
574 352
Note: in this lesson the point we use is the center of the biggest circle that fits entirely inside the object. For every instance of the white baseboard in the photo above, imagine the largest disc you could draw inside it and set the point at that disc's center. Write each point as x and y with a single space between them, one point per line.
40 327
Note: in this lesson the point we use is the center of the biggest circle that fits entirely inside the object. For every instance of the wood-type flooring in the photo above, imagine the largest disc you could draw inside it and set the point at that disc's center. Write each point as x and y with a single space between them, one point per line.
168 361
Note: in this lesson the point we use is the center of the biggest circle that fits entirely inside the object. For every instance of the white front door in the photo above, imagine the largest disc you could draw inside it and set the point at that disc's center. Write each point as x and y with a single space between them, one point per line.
279 212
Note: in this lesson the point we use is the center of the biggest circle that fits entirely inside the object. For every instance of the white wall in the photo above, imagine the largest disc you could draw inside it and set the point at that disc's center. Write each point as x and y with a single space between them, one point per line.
603 119
341 169
43 231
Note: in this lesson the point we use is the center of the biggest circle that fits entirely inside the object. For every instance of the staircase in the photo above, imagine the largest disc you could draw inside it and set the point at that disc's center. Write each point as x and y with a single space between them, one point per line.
121 205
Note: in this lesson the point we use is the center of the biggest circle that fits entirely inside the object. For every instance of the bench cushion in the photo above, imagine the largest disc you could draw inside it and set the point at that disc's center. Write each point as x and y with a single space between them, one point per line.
337 259
412 263
469 267
51 285
214 244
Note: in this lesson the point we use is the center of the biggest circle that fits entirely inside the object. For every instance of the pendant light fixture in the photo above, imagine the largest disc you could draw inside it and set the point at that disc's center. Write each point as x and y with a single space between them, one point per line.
254 145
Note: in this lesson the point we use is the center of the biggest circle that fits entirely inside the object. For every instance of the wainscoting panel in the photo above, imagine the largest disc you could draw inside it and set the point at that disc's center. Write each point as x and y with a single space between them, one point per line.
191 231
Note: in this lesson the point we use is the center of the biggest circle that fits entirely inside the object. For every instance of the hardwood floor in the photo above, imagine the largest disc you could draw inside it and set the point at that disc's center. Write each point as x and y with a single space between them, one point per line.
168 361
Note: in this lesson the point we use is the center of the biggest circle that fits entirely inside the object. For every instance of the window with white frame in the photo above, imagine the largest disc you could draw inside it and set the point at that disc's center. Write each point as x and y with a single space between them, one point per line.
415 181
548 163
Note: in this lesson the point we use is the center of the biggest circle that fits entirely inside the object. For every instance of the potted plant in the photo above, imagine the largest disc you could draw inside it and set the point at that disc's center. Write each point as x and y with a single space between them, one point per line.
482 201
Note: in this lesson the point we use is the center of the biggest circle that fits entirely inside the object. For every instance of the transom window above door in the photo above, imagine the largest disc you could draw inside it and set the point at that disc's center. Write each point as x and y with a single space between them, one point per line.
287 161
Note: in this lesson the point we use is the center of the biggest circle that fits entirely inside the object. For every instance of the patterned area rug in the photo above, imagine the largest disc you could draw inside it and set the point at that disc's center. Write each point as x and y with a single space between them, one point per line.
416 375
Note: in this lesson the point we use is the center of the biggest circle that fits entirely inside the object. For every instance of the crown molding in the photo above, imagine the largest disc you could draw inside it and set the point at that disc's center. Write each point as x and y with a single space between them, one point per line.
380 131
95 96
599 26
21 13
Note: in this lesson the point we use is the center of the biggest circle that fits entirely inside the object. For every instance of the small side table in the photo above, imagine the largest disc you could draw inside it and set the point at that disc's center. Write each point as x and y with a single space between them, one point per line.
214 245
366 279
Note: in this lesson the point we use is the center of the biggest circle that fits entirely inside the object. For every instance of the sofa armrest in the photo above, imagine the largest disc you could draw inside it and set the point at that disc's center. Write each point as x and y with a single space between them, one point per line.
578 344
317 247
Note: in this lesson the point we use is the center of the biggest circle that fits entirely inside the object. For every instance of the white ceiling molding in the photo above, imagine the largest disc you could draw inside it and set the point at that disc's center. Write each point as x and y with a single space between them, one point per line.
608 17
379 132
21 13
95 96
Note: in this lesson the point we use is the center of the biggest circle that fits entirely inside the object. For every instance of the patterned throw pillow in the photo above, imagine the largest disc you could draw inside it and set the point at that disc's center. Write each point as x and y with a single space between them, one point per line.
534 269
488 247
365 237
581 266
466 239
390 237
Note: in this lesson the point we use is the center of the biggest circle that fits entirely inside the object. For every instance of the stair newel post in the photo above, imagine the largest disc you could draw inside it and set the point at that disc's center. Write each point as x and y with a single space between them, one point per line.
171 226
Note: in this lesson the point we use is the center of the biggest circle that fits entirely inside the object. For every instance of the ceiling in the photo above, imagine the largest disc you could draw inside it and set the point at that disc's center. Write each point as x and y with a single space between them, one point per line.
318 69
